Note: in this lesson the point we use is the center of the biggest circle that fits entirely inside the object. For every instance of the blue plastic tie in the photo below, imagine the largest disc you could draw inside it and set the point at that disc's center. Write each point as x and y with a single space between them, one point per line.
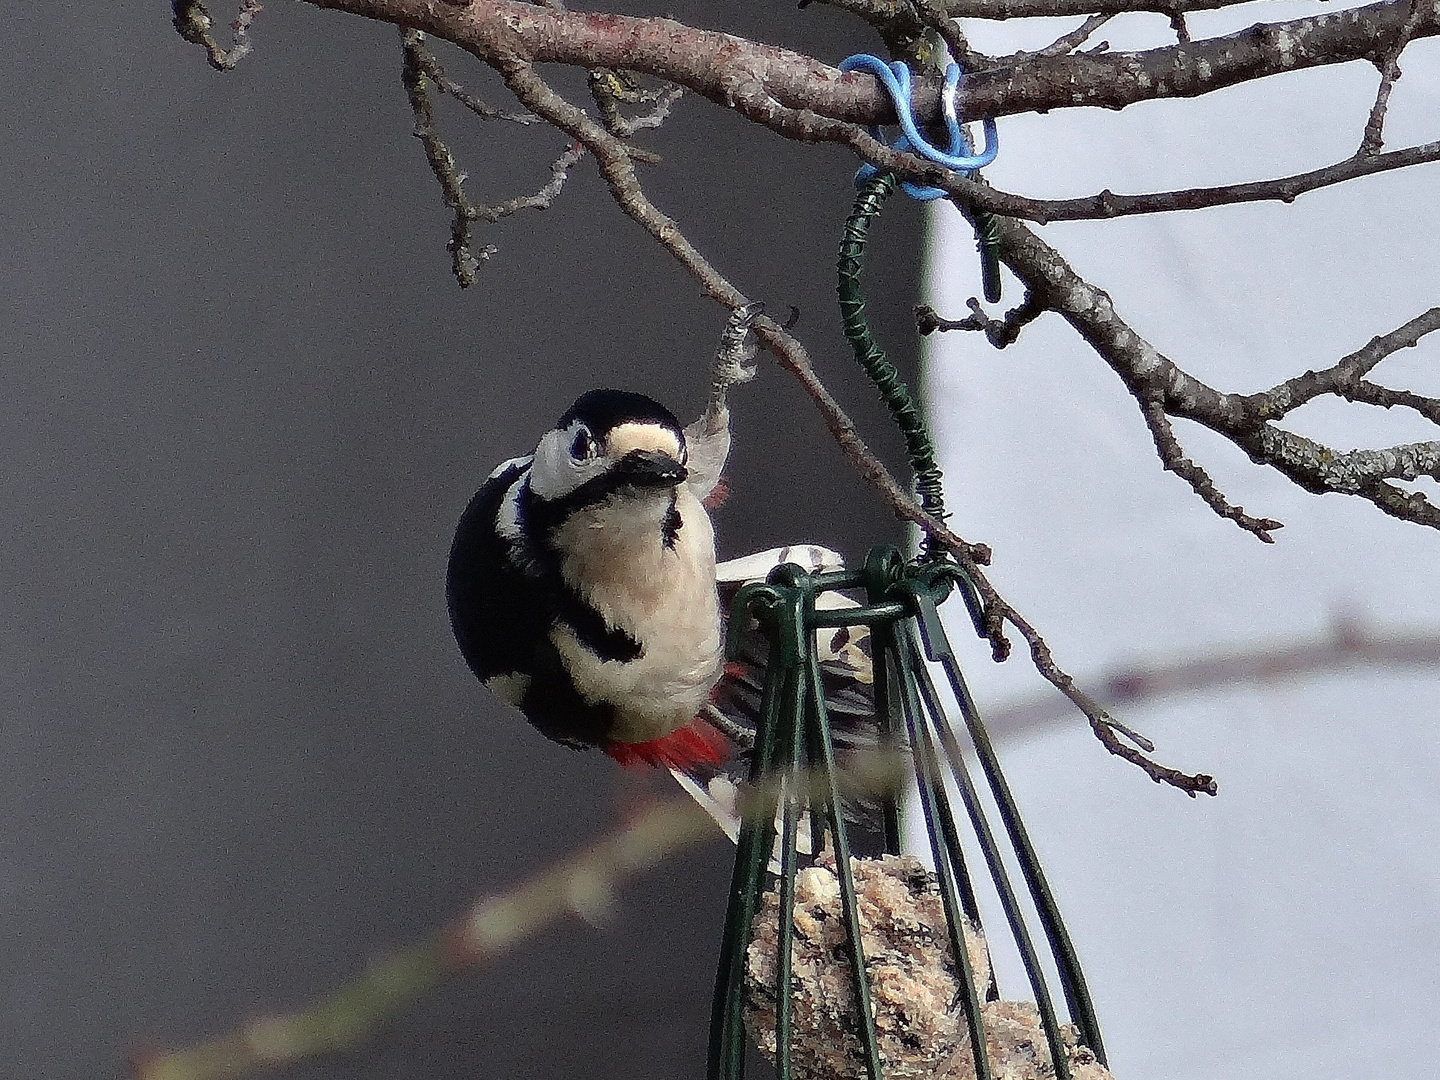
959 157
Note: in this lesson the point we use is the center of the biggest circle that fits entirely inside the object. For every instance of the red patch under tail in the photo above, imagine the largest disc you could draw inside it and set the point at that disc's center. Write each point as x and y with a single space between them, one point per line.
733 672
697 743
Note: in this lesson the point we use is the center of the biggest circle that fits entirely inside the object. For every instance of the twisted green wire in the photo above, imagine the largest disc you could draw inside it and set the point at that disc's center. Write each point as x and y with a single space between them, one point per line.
929 482
987 242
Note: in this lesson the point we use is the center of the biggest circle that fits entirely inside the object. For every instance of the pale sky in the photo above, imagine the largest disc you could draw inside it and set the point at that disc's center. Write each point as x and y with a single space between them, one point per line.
1287 928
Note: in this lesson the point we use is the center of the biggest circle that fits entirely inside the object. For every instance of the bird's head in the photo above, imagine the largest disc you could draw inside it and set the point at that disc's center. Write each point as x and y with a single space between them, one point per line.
612 446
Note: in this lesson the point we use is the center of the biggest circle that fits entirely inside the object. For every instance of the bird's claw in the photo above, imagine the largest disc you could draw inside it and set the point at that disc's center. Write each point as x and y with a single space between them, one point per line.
737 349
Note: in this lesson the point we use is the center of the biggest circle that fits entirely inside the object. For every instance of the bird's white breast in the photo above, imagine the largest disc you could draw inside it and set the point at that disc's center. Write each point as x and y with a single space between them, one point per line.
663 597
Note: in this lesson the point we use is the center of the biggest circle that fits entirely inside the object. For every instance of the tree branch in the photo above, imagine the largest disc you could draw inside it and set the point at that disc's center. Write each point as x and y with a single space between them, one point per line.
1369 394
584 885
1349 644
1345 377
1105 728
767 83
1066 42
435 73
1389 66
465 260
804 99
1031 9
609 88
1150 376
193 23
1001 333
1109 205
1173 457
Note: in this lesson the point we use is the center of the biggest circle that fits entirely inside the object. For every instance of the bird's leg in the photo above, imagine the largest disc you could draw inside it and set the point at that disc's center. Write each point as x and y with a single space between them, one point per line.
732 365
708 438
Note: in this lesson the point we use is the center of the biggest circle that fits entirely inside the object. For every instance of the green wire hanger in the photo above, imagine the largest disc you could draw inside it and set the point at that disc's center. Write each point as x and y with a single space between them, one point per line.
958 156
794 752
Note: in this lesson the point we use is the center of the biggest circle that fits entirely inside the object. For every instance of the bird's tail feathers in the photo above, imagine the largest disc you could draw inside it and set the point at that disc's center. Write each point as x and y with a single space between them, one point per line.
696 746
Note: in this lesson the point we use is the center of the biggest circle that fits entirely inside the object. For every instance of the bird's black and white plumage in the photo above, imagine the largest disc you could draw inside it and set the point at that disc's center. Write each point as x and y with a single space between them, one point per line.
581 581
583 589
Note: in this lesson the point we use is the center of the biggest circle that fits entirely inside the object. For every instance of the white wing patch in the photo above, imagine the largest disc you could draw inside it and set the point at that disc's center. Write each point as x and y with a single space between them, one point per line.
809 557
522 462
509 688
720 798
507 521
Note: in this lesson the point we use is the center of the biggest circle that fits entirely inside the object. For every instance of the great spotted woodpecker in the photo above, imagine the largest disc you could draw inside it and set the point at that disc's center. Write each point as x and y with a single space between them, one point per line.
583 589
582 583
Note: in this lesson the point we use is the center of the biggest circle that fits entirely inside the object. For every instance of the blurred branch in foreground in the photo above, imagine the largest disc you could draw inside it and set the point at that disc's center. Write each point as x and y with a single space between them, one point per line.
1349 644
583 885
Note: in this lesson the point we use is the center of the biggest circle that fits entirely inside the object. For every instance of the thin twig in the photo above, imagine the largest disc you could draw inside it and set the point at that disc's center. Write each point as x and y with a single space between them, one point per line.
1172 456
465 260
1369 393
609 88
193 23
1107 204
1063 44
659 114
1345 378
1389 67
933 16
541 199
1104 726
436 74
999 332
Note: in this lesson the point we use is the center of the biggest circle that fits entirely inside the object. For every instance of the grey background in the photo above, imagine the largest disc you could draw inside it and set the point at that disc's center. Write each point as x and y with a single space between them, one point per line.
243 405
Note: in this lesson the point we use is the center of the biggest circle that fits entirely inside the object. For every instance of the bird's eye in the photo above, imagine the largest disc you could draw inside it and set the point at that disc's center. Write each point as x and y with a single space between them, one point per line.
583 447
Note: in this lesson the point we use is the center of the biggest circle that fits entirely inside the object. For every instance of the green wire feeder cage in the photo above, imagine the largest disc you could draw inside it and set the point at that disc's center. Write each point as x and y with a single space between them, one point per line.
794 767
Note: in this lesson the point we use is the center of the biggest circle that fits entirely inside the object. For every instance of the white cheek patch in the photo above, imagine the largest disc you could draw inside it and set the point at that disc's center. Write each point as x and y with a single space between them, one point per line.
655 437
509 688
554 473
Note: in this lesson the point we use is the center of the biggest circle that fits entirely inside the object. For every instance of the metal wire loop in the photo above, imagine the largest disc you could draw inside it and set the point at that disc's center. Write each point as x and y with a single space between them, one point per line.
959 156
793 734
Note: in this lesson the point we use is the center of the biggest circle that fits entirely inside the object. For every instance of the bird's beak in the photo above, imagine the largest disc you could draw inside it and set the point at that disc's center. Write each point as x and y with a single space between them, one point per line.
650 468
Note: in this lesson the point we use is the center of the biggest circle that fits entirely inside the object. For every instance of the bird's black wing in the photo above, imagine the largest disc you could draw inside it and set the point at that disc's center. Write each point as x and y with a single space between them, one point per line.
504 597
846 678
843 654
501 608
